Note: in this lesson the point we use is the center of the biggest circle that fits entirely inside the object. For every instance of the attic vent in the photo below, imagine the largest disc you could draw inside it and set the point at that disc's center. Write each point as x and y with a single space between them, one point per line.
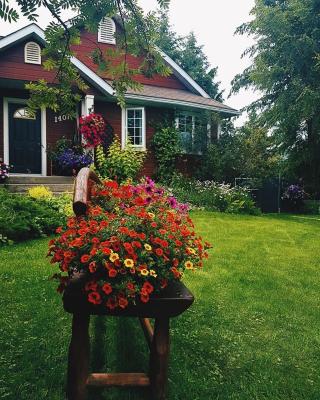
32 53
107 29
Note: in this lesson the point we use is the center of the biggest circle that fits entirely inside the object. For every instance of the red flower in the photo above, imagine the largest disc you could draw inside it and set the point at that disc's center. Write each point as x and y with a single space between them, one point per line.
111 303
112 273
94 298
123 302
144 298
148 287
159 252
92 267
107 288
85 258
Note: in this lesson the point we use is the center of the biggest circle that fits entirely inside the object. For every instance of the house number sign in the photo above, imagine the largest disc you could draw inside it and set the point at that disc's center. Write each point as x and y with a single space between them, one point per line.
61 118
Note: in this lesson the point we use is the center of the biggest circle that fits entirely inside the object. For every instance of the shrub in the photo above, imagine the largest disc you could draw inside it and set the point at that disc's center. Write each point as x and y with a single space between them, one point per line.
213 196
40 192
166 144
119 164
23 217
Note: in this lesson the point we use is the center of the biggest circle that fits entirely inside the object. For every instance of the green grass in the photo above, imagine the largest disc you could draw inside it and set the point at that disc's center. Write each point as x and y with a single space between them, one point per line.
252 333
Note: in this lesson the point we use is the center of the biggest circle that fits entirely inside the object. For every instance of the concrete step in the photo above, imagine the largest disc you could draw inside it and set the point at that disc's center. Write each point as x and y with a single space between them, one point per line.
54 187
40 180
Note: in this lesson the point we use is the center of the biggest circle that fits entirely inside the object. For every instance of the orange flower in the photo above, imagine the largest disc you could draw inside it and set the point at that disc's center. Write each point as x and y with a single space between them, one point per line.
107 288
106 251
85 258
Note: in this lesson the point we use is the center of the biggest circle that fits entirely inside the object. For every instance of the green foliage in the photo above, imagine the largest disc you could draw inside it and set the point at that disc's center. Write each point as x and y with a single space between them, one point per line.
213 196
247 152
166 145
23 217
285 69
188 54
119 164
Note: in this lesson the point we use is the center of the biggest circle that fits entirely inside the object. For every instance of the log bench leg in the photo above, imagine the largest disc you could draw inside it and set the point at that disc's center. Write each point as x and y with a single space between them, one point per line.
159 358
79 358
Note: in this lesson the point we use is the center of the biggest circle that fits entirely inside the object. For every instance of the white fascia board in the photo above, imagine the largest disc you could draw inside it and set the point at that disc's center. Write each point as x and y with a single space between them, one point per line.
29 30
92 77
186 78
181 103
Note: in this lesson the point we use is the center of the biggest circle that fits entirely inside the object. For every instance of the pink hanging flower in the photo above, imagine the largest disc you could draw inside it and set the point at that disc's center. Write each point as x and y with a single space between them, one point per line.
92 128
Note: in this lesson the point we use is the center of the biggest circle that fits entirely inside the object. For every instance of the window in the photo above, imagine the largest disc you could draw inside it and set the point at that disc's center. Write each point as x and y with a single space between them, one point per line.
134 127
107 30
194 132
185 124
32 53
22 113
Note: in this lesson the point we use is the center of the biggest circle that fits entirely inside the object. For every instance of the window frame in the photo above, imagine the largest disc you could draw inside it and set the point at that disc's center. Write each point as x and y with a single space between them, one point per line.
39 60
125 136
100 39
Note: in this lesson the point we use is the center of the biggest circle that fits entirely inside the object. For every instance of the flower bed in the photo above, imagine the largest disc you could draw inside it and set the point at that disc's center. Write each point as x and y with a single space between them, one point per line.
133 241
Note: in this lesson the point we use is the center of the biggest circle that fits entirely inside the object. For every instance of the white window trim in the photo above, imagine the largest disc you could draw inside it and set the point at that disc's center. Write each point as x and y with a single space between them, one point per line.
124 131
25 54
111 41
6 101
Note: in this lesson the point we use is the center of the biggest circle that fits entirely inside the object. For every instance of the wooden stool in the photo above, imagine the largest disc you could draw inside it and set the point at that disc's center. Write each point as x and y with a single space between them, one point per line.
172 301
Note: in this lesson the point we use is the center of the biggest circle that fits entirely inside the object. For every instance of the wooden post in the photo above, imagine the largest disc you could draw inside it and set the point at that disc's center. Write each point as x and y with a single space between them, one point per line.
79 358
159 358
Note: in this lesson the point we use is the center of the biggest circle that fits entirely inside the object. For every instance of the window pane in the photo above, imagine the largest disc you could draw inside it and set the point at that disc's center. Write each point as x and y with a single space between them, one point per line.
131 135
130 113
138 113
130 122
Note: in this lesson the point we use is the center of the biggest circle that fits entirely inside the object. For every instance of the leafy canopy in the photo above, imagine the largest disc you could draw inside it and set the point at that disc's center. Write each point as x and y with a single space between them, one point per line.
286 69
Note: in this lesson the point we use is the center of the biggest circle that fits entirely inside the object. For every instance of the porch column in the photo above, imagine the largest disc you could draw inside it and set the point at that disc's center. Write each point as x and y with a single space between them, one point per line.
87 105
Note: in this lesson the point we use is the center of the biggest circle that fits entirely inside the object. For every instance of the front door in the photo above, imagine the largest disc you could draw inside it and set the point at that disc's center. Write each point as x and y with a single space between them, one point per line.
24 140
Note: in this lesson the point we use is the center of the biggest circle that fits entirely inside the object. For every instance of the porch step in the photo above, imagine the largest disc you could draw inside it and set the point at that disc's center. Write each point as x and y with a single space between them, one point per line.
40 180
57 184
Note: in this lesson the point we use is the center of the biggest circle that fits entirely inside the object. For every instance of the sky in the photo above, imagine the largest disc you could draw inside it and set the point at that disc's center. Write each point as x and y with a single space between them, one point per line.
214 23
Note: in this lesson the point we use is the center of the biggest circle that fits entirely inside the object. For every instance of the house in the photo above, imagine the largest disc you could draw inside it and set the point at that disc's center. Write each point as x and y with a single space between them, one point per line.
23 141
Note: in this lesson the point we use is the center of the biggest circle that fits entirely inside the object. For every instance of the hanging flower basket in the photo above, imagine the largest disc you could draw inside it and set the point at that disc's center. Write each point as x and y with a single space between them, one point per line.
133 241
92 129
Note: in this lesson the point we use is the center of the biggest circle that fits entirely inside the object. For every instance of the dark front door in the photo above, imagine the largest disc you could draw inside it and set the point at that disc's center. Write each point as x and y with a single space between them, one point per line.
24 140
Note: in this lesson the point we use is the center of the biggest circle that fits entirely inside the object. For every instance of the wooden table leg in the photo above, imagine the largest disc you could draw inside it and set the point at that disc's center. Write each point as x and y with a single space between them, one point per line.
159 358
79 358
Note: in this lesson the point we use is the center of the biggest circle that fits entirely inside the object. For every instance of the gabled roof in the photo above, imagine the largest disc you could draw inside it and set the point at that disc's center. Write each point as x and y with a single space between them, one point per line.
149 93
182 98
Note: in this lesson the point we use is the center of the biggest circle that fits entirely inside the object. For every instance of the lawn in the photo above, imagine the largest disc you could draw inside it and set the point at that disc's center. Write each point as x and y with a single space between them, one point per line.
252 333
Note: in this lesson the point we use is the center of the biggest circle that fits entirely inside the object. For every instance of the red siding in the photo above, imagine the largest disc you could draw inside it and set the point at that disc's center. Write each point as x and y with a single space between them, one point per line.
12 66
56 130
112 114
89 43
